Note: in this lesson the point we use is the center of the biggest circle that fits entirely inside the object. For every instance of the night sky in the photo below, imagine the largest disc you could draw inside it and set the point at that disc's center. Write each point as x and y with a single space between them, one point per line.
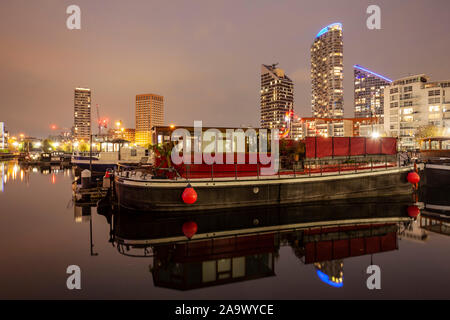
204 57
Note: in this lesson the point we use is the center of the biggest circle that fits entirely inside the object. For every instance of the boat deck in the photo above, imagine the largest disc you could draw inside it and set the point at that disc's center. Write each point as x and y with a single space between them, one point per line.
137 175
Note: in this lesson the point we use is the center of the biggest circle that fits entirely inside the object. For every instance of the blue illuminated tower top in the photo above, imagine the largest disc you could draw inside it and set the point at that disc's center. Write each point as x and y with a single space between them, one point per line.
336 25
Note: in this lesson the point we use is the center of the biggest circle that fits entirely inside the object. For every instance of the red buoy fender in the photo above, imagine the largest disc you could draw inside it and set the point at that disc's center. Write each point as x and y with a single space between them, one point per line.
413 177
413 211
189 195
190 229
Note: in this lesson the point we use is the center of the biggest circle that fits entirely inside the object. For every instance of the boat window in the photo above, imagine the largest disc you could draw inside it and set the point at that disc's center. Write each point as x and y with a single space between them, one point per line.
446 145
434 145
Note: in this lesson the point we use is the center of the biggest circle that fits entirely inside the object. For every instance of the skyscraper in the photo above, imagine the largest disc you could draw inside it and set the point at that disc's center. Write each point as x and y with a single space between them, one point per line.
82 114
149 113
2 136
369 93
327 73
277 97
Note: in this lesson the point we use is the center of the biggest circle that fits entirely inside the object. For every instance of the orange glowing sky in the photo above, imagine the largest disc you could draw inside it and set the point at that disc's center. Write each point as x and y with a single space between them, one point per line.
204 57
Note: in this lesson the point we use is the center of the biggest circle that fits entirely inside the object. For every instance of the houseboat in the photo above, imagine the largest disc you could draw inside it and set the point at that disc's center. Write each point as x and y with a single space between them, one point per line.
58 157
435 153
111 154
330 169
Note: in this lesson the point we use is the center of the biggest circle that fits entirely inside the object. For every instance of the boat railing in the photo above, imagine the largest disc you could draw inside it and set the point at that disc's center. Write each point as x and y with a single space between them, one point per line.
145 171
85 154
304 168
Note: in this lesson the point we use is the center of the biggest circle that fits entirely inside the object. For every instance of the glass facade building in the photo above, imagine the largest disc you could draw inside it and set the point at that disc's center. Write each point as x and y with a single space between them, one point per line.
369 93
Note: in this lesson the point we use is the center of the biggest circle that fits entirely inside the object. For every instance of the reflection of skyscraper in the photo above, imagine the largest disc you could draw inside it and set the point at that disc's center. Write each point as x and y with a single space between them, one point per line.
277 97
369 93
82 214
149 113
327 73
2 176
82 113
331 272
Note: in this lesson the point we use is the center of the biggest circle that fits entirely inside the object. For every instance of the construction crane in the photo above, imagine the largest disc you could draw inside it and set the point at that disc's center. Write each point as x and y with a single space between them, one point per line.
101 122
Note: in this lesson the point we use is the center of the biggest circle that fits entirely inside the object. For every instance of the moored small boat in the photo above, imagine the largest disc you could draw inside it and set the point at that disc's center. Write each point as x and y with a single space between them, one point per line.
102 161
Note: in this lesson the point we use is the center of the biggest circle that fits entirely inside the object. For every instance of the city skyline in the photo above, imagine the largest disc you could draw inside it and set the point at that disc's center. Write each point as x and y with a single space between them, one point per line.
202 82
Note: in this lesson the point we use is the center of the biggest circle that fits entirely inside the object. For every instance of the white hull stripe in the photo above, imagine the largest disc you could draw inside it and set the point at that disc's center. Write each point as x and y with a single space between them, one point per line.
437 207
262 181
437 166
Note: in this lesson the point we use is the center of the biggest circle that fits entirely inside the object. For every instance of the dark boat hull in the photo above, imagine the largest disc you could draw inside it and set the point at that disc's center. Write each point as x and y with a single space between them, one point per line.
96 167
160 195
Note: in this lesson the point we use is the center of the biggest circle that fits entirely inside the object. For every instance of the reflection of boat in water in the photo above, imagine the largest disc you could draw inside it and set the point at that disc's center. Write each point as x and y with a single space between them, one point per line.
240 245
331 272
436 199
436 223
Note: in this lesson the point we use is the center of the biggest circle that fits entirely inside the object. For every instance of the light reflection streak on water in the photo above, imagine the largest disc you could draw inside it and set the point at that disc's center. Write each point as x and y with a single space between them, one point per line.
3 177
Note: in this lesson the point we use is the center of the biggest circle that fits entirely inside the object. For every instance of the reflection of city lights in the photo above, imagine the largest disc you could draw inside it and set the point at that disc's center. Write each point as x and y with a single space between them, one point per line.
2 177
334 282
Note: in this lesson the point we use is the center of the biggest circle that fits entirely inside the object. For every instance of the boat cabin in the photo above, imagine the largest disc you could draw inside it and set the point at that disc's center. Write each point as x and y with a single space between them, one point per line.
435 147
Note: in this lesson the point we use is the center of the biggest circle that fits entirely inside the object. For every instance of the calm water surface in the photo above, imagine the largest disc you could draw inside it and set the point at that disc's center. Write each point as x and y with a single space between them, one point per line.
278 253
